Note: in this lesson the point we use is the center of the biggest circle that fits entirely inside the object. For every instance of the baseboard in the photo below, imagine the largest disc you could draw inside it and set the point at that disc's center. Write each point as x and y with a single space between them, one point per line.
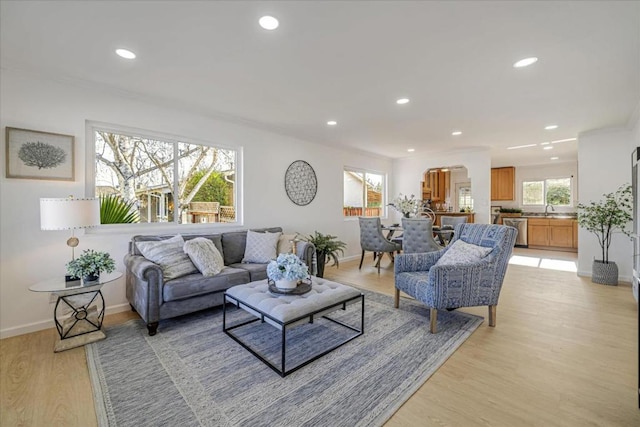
621 279
48 324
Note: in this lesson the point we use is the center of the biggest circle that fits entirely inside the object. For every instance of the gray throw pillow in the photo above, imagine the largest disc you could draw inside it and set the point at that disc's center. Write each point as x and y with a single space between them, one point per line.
462 252
204 254
169 255
261 247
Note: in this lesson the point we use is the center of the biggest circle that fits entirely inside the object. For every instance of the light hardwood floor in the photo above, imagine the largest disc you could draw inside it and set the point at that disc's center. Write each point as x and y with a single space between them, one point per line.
563 353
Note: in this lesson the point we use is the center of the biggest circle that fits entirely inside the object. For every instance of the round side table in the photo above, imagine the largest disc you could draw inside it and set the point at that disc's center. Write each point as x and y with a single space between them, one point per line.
79 310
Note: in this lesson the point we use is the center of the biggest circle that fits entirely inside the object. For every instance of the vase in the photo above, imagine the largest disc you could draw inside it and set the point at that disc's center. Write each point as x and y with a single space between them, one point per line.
286 284
91 277
604 273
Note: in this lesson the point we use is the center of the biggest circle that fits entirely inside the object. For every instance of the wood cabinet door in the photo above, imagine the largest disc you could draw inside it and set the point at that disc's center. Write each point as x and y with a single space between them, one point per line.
561 234
538 235
494 184
502 183
575 235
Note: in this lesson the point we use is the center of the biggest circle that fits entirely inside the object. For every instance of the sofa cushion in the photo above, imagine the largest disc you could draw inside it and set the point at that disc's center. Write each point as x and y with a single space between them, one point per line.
256 271
261 247
204 255
133 249
234 243
197 284
169 255
461 252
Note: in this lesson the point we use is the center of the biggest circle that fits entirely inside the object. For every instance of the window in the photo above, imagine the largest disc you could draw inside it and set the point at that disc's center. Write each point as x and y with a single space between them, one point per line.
553 191
160 180
464 196
363 193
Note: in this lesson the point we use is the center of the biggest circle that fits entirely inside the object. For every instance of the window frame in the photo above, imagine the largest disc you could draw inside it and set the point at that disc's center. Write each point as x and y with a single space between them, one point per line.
158 227
544 190
383 201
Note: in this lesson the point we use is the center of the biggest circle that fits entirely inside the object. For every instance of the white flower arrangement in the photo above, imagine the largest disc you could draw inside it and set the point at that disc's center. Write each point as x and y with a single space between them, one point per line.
405 205
287 267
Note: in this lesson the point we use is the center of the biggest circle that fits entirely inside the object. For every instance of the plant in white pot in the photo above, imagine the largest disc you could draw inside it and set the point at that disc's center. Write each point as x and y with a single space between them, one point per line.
604 218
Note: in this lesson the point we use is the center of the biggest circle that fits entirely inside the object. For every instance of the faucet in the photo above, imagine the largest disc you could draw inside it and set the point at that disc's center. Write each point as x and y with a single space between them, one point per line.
547 207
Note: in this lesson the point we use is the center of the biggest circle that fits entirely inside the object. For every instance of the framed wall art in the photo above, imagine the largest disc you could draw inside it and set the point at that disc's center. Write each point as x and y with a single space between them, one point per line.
32 154
300 183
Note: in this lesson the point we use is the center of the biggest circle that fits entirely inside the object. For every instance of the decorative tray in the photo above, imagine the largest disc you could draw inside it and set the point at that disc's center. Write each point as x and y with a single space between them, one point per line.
303 287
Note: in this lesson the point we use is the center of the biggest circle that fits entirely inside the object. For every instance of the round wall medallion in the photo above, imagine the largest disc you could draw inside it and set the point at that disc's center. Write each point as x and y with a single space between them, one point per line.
300 183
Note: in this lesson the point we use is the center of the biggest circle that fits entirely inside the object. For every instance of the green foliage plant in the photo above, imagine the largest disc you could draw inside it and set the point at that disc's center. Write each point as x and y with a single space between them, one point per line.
214 189
510 210
91 262
607 216
115 210
327 246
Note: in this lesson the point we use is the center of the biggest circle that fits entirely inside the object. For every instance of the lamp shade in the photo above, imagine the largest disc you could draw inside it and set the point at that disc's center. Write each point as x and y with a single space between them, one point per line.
67 214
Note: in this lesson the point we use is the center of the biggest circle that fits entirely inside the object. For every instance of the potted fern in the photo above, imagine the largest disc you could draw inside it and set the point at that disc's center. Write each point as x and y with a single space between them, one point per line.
604 218
327 247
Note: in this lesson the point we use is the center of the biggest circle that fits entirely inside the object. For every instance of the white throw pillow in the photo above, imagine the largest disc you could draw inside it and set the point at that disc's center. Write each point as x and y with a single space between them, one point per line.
169 255
261 247
284 243
204 254
462 252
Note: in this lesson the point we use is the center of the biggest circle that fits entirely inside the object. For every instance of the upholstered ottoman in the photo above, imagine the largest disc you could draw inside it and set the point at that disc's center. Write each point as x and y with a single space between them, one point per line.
286 311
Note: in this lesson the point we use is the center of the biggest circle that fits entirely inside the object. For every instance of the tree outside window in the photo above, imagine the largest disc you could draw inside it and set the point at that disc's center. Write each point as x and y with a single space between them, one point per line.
166 181
553 191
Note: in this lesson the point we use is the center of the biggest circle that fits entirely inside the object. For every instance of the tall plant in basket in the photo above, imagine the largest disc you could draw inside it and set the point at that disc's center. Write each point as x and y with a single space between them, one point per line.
604 218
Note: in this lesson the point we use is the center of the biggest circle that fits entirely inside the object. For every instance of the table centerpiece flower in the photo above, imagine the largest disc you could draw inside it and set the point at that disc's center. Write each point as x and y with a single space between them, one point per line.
406 205
287 270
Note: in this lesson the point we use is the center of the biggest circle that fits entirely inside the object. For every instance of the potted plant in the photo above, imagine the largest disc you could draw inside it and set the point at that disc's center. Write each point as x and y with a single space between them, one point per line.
287 270
90 264
327 247
604 218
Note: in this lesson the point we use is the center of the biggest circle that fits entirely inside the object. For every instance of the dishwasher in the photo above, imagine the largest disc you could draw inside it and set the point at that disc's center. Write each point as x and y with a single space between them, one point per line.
519 224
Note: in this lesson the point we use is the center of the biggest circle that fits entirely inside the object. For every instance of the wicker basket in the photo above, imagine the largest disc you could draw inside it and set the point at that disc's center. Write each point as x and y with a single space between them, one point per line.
604 273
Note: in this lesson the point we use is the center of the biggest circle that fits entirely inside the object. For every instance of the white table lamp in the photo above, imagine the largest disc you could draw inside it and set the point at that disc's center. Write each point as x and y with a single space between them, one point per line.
69 214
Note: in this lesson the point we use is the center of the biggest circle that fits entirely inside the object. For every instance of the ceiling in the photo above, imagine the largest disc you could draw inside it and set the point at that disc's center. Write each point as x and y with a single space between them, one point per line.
349 61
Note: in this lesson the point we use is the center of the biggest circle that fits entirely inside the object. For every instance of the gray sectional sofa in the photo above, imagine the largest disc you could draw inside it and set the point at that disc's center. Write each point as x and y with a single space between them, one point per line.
156 299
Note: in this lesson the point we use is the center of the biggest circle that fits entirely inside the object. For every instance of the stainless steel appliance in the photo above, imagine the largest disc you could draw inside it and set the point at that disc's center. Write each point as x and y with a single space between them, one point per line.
519 224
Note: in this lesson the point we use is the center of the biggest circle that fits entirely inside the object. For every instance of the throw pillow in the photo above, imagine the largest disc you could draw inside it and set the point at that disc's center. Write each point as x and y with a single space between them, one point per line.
261 247
284 243
462 252
204 254
169 255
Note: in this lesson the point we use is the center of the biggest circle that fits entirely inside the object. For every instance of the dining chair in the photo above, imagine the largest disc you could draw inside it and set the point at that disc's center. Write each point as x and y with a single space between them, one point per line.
418 236
372 239
449 223
467 273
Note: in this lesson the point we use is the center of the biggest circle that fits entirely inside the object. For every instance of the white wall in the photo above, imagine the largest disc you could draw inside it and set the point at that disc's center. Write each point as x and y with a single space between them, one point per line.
29 255
604 164
408 173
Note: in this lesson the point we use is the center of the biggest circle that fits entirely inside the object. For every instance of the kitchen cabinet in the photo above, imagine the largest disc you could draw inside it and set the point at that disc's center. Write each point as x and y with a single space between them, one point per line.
503 183
552 233
436 186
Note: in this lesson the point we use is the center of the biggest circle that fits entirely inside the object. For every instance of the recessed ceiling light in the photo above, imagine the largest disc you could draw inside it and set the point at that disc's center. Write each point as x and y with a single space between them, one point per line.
126 54
444 170
547 148
456 133
332 123
555 158
521 146
268 22
545 143
402 101
411 150
525 62
551 127
557 141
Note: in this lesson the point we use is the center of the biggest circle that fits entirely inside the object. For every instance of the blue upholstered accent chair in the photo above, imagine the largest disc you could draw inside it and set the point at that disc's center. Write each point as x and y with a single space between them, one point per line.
418 236
443 287
372 239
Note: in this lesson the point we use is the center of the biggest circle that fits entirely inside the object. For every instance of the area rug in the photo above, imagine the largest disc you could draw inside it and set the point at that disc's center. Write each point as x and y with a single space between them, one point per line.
192 374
